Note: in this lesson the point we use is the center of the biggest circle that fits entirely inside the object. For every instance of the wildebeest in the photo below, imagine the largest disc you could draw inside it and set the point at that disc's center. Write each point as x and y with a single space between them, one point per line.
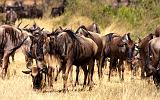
11 17
57 11
93 28
106 39
82 30
11 39
143 47
153 60
28 48
68 49
34 12
121 49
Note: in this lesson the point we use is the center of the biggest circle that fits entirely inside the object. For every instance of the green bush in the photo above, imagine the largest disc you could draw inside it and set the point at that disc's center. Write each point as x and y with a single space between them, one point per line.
141 17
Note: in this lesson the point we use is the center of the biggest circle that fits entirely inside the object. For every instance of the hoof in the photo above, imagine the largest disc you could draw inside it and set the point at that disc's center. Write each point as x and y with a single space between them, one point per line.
76 83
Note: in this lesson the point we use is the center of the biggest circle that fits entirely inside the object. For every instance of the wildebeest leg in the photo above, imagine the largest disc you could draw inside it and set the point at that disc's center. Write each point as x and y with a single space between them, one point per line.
142 71
121 70
85 75
70 75
102 61
110 67
1 57
50 76
58 73
5 64
100 64
133 70
77 74
65 75
90 73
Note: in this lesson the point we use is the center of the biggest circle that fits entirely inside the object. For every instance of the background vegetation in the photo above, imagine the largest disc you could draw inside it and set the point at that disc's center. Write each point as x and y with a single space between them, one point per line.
140 17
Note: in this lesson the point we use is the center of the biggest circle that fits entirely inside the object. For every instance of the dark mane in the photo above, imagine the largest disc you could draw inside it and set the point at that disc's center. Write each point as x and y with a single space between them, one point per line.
110 36
71 34
82 26
13 34
84 30
147 38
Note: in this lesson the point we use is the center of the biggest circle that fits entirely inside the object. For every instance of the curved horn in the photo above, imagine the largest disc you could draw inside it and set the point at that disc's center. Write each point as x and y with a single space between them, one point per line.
25 26
42 29
19 24
60 28
27 72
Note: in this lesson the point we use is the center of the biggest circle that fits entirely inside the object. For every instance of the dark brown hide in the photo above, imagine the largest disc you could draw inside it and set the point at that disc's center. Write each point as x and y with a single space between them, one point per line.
143 47
153 60
10 40
71 50
97 39
121 48
106 40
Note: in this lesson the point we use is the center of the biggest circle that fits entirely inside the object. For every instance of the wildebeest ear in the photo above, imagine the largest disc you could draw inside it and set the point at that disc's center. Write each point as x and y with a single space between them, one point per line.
27 72
25 26
129 36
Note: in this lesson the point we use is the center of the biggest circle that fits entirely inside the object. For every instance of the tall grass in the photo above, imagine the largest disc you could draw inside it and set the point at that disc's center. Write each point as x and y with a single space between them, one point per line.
141 17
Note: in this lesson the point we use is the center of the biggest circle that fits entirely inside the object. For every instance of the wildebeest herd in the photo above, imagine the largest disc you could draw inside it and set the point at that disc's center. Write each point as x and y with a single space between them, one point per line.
17 9
59 50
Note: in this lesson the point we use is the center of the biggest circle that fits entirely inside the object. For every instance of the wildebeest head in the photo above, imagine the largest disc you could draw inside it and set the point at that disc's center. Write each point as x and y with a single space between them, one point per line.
37 76
129 46
93 28
38 41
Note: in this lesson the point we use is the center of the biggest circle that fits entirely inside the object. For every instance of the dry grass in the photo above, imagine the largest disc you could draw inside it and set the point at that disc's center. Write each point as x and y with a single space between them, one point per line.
73 22
18 86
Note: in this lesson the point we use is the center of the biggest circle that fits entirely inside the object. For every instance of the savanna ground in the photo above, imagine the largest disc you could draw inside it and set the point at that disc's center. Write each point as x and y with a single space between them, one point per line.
18 86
